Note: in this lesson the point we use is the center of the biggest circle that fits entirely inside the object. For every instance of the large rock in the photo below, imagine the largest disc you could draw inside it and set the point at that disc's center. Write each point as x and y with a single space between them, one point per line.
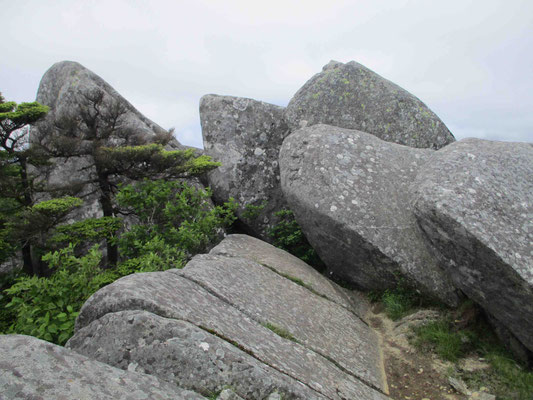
63 87
245 135
180 352
272 299
33 369
354 97
474 201
349 191
227 314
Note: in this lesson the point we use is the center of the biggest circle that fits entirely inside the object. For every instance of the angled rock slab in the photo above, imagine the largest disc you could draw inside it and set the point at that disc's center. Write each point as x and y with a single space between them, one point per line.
274 300
181 353
474 201
34 369
170 295
288 266
354 97
350 194
245 136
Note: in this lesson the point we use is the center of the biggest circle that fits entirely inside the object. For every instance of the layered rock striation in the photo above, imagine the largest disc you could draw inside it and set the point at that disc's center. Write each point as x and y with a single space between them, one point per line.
225 319
33 369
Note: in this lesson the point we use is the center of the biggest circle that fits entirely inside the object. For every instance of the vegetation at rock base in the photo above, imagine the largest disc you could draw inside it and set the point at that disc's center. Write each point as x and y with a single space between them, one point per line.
401 300
288 235
465 332
174 222
155 223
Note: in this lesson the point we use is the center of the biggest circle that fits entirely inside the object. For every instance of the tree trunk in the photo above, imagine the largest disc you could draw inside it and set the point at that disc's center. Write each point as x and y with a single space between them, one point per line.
32 266
109 211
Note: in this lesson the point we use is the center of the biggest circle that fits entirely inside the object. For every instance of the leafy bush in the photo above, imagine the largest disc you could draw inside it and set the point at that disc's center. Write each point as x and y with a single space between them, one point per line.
47 307
90 230
252 211
170 213
288 235
173 222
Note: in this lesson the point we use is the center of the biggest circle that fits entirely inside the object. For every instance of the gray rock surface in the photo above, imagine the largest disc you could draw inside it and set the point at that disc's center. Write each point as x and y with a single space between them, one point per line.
61 89
289 266
245 136
78 173
182 353
312 320
228 394
354 97
34 369
221 311
474 201
349 192
64 88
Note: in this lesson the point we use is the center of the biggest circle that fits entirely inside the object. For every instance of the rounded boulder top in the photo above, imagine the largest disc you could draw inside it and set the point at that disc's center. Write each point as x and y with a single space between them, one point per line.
354 97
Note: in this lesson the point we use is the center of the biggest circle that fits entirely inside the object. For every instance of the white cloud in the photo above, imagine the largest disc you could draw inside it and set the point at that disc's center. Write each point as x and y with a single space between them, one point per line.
469 61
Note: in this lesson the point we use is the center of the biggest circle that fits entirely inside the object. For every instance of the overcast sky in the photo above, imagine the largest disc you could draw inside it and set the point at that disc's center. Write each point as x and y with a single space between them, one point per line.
470 61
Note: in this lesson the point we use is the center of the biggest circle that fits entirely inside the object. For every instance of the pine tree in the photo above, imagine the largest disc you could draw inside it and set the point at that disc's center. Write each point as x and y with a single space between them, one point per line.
16 183
98 130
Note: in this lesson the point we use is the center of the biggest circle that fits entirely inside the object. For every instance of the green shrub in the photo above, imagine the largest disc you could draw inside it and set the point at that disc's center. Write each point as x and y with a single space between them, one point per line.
171 213
47 307
252 211
174 221
6 313
288 235
89 230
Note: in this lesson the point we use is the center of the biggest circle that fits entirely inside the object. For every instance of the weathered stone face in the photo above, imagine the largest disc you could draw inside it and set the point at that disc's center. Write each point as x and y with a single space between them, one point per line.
34 369
349 191
62 88
79 175
245 136
225 317
354 97
285 264
474 202
179 352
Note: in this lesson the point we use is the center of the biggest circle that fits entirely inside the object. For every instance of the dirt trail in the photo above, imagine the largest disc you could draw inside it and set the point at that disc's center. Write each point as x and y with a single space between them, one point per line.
411 374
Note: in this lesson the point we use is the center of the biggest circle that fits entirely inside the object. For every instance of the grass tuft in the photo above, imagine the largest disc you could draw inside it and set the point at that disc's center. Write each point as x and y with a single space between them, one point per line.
280 332
465 332
437 335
